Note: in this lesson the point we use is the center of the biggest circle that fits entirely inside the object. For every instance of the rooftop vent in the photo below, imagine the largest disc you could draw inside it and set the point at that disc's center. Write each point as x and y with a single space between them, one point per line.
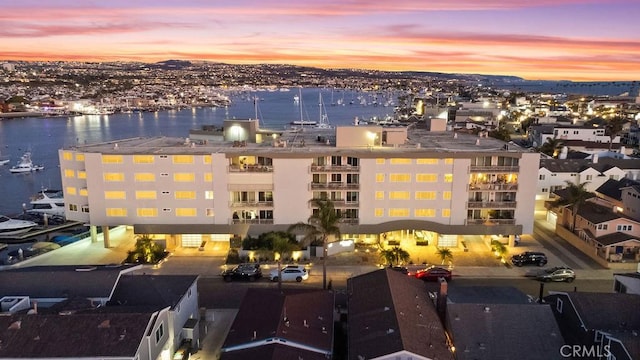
487 309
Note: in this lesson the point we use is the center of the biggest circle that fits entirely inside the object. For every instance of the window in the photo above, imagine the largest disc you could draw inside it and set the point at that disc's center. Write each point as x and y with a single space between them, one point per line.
425 195
146 194
559 305
399 177
352 161
208 194
144 177
84 192
208 212
143 159
70 190
186 212
69 173
544 190
589 177
159 332
427 161
184 177
185 195
182 159
378 212
379 177
79 157
399 195
82 174
424 212
426 177
208 177
115 195
73 207
336 177
398 161
67 155
448 177
206 159
446 213
353 178
113 177
448 161
398 212
264 196
352 196
380 161
541 177
379 195
85 208
116 212
336 160
112 159
147 212
624 227
446 195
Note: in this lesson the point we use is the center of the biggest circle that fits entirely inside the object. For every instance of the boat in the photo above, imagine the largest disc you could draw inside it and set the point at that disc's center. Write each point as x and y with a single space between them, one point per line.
324 118
26 165
12 227
302 121
50 202
4 160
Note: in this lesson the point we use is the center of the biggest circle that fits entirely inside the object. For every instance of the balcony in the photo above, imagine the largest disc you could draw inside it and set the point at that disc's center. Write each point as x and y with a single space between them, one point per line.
334 168
341 203
252 221
491 204
490 221
250 168
494 169
253 204
349 221
334 185
494 186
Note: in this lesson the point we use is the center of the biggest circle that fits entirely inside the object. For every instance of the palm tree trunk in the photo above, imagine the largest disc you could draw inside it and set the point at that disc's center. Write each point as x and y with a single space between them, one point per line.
575 217
324 264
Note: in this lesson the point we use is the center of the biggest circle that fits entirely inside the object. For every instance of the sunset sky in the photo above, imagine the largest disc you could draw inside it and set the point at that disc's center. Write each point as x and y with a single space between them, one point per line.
535 39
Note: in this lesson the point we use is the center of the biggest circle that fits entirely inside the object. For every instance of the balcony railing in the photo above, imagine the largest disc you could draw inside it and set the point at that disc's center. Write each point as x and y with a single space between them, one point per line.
251 203
494 186
250 168
334 168
494 168
491 221
334 185
491 204
341 203
252 221
349 221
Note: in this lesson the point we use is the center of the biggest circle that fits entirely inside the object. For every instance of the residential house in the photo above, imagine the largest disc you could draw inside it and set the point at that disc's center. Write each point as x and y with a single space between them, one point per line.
622 195
601 325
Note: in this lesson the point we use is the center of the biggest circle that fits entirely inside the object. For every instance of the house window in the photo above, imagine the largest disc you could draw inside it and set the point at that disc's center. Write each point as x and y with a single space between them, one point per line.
541 177
605 226
545 190
624 228
559 305
589 177
159 333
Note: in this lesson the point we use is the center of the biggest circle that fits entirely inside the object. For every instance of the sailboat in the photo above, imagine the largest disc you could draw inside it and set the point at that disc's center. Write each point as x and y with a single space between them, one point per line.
324 119
302 121
4 160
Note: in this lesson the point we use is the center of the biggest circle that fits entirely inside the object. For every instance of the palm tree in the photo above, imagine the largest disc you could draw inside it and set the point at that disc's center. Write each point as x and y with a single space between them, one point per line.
395 255
576 196
444 254
614 127
551 147
320 225
280 245
498 248
146 250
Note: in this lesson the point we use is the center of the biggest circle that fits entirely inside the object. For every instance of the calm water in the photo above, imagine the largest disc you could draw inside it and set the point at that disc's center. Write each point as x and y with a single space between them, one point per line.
45 136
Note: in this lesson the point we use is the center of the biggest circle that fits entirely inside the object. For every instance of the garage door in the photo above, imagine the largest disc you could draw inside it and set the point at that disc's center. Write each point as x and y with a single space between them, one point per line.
191 240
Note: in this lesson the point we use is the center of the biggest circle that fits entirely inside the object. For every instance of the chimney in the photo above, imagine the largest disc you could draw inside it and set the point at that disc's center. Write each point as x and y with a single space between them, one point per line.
594 159
35 307
563 153
441 302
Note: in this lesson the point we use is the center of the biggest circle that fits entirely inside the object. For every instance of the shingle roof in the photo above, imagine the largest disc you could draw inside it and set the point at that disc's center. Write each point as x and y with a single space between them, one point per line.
597 214
72 336
607 311
579 165
272 351
611 187
617 237
486 295
504 331
161 291
391 312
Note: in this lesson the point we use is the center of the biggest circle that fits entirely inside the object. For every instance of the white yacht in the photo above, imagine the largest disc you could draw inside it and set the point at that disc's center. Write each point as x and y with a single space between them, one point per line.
50 202
26 165
12 227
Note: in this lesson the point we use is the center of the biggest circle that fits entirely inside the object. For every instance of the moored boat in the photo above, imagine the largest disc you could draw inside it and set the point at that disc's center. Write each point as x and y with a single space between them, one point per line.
26 165
50 202
12 227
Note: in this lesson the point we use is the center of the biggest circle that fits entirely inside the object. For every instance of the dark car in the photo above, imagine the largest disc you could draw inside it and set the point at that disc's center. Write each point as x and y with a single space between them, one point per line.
251 272
398 268
558 273
433 273
529 258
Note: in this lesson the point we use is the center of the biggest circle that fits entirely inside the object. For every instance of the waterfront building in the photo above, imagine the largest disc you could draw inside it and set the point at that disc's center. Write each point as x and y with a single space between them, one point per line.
387 183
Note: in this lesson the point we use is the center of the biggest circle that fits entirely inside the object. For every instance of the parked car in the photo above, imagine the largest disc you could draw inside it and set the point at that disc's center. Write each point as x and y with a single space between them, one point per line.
529 258
290 273
558 273
251 272
433 273
398 268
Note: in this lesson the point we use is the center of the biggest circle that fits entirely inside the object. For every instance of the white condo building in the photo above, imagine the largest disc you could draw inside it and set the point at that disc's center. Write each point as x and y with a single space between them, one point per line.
244 180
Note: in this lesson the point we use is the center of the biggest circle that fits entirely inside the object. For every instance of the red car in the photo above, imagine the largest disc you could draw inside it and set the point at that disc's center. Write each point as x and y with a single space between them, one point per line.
433 273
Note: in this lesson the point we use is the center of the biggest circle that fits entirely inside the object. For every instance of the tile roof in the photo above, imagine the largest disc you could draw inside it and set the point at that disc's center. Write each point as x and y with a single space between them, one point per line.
72 336
391 312
161 291
504 331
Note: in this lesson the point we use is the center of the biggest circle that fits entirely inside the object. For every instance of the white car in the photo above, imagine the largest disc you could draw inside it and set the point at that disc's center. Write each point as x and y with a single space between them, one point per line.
290 273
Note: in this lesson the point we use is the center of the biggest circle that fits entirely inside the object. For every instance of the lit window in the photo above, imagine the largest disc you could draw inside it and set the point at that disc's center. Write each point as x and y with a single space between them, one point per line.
398 212
446 213
209 212
84 192
379 212
208 177
208 195
147 212
425 195
399 195
116 212
448 177
182 159
70 190
143 159
379 195
67 155
424 212
146 194
79 157
446 195
399 177
69 173
379 177
82 174
145 177
448 161
184 177
379 161
185 195
207 159
186 212
398 161
427 161
115 195
113 177
426 177
112 159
